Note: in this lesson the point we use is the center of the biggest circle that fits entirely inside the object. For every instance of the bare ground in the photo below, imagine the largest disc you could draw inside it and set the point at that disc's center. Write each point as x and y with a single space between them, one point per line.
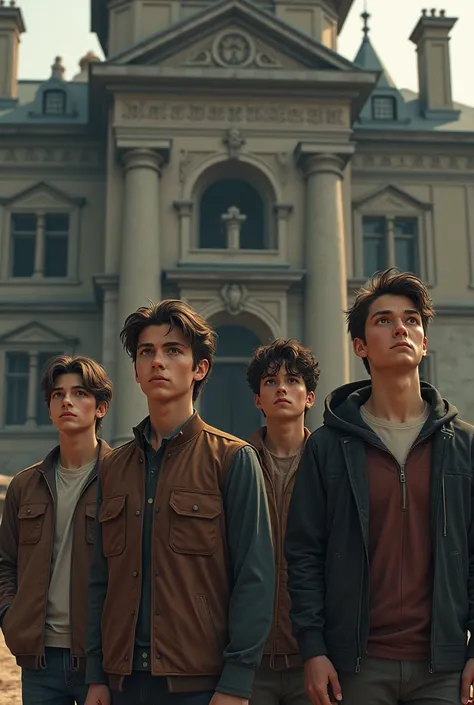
10 693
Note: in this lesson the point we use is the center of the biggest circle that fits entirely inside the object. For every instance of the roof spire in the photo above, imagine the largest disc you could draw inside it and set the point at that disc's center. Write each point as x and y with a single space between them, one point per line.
366 17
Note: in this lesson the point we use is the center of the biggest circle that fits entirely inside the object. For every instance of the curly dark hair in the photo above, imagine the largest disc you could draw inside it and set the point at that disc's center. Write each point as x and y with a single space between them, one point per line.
176 314
393 282
268 359
94 378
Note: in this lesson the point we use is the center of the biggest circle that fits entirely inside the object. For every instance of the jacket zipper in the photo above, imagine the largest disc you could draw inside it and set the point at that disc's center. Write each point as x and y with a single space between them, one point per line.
403 483
446 435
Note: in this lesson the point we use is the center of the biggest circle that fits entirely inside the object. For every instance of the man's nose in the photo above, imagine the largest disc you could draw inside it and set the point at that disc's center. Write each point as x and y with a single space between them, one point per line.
400 328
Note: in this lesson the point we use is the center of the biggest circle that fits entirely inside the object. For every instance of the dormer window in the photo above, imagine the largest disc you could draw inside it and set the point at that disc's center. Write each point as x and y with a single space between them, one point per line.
384 108
54 102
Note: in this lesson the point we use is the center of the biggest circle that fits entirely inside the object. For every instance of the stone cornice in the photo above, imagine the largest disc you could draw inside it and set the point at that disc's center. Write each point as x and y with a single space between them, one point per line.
261 276
415 161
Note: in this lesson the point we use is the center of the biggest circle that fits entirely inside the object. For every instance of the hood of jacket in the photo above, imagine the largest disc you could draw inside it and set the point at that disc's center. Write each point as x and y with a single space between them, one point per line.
342 410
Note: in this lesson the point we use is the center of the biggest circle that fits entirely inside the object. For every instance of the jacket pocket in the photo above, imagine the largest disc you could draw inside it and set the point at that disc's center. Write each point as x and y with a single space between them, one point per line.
194 522
31 520
208 624
112 518
90 522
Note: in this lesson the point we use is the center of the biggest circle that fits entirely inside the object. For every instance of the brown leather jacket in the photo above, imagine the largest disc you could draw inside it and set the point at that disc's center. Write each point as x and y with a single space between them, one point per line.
211 538
281 650
26 549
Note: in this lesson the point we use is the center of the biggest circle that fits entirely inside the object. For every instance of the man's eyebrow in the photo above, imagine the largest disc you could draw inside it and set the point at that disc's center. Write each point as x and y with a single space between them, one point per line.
76 386
172 343
144 345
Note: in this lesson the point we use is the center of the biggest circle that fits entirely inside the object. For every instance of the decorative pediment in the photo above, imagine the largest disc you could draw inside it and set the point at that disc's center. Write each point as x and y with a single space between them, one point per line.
36 334
43 196
391 198
234 34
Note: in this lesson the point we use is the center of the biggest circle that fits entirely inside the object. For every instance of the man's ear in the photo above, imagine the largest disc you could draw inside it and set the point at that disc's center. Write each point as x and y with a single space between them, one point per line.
359 347
102 409
311 396
202 368
257 402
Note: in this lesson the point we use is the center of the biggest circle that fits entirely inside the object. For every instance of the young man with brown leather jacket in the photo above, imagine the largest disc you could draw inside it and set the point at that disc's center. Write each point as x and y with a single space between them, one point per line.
47 537
182 582
380 538
283 376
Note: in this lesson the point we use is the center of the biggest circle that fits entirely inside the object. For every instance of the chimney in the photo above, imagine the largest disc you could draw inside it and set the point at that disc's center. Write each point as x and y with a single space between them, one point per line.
431 37
11 26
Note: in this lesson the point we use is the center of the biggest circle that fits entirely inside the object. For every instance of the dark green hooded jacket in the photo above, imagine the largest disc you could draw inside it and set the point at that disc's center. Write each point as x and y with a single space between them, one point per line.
328 530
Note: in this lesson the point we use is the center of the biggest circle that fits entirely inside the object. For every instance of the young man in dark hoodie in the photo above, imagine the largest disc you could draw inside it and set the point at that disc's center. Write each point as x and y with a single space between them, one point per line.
380 539
47 537
283 376
182 581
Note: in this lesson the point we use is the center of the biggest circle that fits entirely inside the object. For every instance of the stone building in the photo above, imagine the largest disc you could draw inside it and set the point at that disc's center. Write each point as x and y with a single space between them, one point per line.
226 154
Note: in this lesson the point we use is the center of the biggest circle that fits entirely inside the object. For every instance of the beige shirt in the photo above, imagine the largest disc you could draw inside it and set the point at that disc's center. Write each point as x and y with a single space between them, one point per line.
69 487
397 437
281 468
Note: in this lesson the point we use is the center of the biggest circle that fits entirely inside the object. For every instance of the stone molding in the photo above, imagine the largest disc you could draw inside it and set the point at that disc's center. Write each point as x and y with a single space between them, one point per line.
412 162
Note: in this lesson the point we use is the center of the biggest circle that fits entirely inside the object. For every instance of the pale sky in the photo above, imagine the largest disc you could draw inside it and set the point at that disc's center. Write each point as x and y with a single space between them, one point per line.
61 27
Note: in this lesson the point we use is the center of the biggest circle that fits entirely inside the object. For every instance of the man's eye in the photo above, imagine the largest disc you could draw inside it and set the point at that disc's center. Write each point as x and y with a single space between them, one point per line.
174 350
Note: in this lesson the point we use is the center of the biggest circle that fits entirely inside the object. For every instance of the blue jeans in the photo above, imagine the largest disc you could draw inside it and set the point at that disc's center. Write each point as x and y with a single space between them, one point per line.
142 688
54 685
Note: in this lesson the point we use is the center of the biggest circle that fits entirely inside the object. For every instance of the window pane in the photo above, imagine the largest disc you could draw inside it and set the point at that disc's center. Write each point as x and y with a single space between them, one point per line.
55 256
406 244
42 411
384 108
375 251
23 244
217 199
16 385
57 223
54 102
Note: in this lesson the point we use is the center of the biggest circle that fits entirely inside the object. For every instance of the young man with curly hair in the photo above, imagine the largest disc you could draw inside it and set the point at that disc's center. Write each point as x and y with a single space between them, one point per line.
47 537
182 582
380 539
283 376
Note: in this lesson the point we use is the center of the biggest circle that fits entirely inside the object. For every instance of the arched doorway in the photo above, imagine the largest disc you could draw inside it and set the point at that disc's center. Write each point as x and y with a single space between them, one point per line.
227 400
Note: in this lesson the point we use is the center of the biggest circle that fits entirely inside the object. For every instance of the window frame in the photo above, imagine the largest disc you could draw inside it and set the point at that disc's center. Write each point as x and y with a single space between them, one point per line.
33 391
41 201
48 92
391 203
389 238
393 116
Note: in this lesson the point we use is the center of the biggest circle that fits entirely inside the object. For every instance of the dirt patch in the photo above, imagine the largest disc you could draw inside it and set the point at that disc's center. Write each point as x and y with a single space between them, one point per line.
10 690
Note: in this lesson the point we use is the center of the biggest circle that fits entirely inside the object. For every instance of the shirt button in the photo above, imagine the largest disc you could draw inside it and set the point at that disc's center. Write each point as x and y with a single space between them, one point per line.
195 508
135 573
138 512
150 500
144 654
145 664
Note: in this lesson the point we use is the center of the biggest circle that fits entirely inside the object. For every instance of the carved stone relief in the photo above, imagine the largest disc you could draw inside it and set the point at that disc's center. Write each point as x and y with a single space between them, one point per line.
413 161
231 49
234 141
80 156
234 297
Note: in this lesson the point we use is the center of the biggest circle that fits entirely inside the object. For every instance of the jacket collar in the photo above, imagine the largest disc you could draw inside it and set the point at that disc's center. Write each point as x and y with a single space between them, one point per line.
191 428
48 465
257 439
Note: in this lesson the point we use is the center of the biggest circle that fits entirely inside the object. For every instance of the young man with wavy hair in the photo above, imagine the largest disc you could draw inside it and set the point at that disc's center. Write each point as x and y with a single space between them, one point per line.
47 537
182 581
380 539
283 377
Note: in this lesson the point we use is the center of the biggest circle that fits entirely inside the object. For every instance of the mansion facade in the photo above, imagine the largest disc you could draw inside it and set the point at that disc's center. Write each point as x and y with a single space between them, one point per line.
226 154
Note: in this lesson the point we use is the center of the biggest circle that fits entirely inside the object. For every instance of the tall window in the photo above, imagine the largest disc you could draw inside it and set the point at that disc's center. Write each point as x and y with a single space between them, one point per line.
23 399
40 244
384 108
216 201
54 102
390 242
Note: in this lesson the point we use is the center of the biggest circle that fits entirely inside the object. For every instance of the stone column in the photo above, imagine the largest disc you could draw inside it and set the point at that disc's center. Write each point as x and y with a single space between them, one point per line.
233 220
326 278
140 274
31 420
40 247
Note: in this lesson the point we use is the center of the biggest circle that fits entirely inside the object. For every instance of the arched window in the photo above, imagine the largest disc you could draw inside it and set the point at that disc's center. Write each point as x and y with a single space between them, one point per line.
216 201
227 400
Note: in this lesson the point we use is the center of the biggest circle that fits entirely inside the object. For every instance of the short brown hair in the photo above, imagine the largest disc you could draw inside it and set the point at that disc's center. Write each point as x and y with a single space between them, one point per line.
94 378
395 283
297 359
176 314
